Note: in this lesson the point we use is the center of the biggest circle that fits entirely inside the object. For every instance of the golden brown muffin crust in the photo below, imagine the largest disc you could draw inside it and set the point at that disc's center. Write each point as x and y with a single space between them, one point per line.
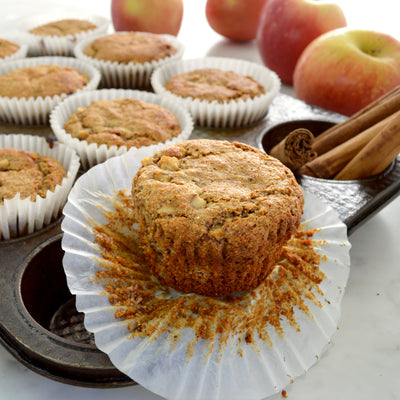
136 47
214 84
214 215
63 27
41 80
123 122
28 173
7 48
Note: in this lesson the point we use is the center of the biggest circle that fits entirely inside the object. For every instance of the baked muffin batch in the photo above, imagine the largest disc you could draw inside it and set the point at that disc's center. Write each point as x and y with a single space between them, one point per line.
202 188
212 217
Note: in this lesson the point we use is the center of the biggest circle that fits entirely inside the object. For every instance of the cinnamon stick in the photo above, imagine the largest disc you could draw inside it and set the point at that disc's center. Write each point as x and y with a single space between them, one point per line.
330 163
358 122
376 155
295 149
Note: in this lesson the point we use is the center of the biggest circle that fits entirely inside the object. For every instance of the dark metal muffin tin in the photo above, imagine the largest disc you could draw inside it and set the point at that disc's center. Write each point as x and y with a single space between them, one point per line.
39 323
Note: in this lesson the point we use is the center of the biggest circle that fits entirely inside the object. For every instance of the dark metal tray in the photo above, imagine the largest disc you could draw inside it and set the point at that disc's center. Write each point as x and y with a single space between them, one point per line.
39 323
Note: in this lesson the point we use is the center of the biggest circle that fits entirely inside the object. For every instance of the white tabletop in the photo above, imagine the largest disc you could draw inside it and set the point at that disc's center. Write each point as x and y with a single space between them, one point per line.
363 361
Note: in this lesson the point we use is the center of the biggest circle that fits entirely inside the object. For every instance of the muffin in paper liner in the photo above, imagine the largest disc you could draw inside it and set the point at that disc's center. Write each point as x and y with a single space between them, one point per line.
36 110
57 45
207 358
20 53
22 216
92 154
221 115
127 75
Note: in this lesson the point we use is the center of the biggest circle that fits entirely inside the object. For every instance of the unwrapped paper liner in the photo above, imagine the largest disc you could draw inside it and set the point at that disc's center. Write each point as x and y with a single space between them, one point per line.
152 362
126 75
57 45
36 110
92 154
221 115
22 216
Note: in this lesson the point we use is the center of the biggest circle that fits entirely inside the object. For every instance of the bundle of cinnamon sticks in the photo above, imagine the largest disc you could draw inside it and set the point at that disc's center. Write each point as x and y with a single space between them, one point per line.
362 146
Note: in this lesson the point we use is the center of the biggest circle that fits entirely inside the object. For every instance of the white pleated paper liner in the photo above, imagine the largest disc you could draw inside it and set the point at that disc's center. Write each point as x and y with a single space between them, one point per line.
92 154
57 45
23 216
20 53
221 115
242 371
36 110
126 75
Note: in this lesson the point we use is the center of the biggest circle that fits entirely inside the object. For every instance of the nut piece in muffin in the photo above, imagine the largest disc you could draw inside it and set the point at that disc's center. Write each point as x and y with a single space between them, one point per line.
123 122
214 215
41 81
63 27
8 48
214 84
28 173
135 47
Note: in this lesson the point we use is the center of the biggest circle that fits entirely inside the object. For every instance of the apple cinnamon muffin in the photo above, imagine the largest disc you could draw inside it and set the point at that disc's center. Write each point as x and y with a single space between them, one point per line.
123 122
41 81
214 215
214 84
130 47
63 27
7 48
28 173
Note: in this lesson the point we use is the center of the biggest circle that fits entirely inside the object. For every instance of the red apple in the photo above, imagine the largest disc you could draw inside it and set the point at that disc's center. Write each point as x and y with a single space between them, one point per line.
345 70
234 19
288 26
156 16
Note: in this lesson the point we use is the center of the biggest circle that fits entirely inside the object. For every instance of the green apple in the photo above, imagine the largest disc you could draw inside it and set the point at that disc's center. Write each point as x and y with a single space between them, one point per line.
346 69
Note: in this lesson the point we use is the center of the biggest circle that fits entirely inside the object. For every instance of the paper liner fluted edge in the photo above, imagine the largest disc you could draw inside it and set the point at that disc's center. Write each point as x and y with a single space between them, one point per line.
127 75
20 53
23 215
92 154
221 115
36 110
207 376
57 45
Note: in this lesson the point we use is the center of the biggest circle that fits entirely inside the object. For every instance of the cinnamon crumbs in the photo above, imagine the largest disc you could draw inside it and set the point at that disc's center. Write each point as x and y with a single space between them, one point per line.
151 309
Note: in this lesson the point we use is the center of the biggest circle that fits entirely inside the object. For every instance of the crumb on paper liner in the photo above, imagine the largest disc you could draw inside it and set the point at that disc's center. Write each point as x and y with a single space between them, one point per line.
179 345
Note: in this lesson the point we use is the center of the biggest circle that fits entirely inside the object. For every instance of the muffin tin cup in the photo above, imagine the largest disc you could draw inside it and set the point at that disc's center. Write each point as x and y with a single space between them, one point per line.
164 367
92 154
22 216
355 200
36 110
57 45
231 114
130 75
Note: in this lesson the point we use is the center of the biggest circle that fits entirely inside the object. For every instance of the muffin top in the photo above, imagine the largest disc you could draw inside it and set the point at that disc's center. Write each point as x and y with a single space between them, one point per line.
63 27
123 122
197 177
41 80
214 84
7 48
27 173
136 47
213 215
